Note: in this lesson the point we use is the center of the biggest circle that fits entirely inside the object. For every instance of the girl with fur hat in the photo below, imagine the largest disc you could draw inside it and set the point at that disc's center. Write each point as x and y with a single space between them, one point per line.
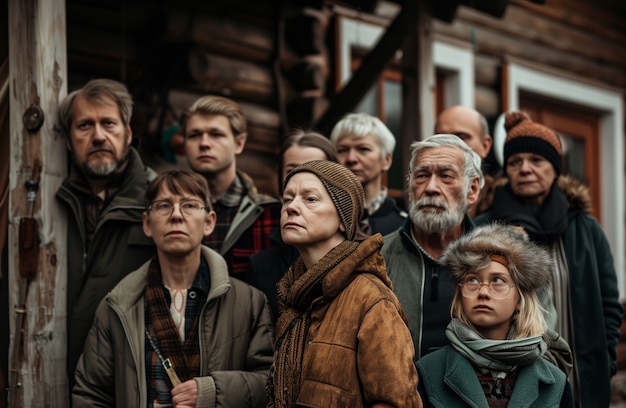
554 210
342 338
496 334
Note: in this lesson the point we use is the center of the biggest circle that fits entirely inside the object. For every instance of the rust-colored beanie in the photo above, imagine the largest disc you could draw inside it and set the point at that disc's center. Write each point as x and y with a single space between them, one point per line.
343 187
525 136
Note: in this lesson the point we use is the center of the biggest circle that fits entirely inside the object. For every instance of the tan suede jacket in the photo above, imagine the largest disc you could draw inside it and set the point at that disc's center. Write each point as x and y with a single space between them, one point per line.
359 351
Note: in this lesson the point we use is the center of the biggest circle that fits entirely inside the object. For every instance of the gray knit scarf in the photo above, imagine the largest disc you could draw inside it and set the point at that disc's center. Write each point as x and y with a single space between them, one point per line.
501 355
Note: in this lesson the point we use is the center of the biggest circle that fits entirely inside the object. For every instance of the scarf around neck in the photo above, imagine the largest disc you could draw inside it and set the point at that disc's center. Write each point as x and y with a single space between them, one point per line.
501 355
185 355
297 291
543 223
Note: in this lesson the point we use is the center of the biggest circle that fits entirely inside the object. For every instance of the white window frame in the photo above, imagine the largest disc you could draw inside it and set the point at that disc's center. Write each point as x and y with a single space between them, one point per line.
457 62
609 104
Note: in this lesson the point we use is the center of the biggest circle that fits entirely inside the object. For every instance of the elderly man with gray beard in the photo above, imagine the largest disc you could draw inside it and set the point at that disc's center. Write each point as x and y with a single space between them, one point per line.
444 180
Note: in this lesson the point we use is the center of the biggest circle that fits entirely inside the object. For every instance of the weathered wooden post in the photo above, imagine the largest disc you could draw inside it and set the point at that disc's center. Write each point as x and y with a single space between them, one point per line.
37 260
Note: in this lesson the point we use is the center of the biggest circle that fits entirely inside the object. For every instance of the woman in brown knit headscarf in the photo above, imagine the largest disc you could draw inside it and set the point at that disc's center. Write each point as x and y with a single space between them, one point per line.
341 336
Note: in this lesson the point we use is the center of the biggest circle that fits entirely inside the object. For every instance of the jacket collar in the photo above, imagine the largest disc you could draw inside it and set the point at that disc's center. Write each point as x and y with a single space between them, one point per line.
131 289
132 189
577 193
526 390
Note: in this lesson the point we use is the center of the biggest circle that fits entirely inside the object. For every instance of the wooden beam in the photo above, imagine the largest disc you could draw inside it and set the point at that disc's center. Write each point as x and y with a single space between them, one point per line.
367 73
418 78
38 80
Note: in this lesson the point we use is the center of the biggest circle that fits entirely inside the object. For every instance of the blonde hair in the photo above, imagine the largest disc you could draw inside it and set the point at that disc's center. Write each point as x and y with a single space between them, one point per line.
528 263
216 105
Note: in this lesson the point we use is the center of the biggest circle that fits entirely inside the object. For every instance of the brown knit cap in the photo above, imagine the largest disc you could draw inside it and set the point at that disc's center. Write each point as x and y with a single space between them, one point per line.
343 187
525 136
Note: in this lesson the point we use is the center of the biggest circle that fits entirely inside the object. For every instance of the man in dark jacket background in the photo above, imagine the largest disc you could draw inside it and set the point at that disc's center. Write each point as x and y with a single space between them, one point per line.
103 198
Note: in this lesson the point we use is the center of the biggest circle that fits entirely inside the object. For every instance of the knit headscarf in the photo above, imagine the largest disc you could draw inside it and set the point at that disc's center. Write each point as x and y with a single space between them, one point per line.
343 187
525 136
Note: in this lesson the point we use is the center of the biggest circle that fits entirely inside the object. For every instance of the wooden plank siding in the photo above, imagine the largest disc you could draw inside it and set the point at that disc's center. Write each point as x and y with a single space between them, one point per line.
184 50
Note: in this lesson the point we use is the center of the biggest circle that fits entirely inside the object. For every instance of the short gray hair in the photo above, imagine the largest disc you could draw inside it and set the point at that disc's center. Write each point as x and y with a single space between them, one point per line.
362 124
472 161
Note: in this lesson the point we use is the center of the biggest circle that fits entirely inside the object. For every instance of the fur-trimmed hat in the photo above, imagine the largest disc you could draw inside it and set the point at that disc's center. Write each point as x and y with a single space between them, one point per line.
343 187
525 136
529 264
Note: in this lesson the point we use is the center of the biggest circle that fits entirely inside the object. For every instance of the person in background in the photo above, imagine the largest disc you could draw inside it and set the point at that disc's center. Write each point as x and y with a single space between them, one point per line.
365 146
269 265
497 329
341 335
554 210
178 331
214 128
103 199
471 126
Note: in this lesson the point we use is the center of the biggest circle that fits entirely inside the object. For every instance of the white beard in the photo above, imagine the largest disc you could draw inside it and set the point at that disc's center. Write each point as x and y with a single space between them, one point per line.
436 223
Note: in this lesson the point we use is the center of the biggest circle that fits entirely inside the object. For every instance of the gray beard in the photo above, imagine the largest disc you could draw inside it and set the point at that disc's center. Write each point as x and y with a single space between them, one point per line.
436 223
100 170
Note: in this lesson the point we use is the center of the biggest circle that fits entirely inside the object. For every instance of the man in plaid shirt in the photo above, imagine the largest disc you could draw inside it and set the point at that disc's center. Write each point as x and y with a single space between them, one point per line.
214 128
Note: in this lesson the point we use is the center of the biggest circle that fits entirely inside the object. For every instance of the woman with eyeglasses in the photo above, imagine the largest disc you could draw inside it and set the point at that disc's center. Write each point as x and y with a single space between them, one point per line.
178 331
497 333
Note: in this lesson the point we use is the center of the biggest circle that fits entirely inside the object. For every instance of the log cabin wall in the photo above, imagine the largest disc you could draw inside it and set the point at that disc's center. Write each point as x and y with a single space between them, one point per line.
579 37
268 56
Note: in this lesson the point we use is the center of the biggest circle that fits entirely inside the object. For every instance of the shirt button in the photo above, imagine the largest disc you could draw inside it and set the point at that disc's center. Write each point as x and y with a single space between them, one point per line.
192 294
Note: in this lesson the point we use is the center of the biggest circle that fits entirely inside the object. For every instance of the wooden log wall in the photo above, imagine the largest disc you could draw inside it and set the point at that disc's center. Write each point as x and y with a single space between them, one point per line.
583 38
268 56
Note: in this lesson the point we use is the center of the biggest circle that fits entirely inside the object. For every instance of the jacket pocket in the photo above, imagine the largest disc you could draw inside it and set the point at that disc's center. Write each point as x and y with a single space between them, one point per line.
318 395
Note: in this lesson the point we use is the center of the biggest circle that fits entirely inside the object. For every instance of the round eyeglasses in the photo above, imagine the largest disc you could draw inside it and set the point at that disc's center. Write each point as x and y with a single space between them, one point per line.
497 290
164 208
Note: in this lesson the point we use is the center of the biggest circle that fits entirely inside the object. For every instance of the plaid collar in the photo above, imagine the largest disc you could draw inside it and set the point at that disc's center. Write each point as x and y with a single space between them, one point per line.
201 281
233 194
377 202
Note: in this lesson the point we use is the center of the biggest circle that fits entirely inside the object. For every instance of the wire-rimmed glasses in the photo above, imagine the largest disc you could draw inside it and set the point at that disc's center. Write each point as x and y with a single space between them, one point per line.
497 290
164 208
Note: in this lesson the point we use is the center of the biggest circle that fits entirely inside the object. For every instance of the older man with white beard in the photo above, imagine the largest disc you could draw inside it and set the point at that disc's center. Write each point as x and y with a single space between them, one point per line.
444 180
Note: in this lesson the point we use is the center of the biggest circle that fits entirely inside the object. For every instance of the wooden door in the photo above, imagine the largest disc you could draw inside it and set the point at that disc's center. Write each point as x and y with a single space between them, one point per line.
579 133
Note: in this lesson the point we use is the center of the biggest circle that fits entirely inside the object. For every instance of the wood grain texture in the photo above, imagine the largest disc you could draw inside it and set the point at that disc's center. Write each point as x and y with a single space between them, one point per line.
38 75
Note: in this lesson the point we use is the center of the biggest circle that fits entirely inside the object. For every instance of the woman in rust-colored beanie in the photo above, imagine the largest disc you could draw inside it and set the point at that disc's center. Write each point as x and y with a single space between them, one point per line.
553 209
525 136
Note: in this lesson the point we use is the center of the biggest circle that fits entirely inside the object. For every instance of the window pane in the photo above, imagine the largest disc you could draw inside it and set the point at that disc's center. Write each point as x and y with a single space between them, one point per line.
393 112
574 157
369 103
